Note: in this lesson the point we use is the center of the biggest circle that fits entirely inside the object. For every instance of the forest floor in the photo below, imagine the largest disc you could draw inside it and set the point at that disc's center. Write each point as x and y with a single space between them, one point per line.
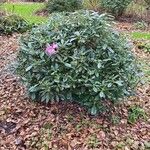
25 125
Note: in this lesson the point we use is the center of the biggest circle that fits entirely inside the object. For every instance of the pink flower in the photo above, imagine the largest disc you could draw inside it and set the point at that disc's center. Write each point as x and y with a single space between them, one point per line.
55 46
51 49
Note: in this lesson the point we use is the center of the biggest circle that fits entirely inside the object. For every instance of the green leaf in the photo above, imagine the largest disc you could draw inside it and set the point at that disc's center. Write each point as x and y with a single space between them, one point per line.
99 65
33 96
77 33
42 55
109 85
33 88
120 83
101 94
105 46
68 65
95 89
94 110
47 98
29 68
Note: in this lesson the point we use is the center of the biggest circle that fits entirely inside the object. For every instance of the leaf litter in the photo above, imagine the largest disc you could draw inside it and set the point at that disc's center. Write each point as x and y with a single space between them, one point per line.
65 126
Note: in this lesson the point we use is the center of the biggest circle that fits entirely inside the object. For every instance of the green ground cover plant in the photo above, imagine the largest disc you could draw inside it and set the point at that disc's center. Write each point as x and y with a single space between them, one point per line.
136 113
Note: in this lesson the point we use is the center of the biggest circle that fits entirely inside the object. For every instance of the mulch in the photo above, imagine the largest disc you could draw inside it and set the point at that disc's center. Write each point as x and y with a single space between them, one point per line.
26 125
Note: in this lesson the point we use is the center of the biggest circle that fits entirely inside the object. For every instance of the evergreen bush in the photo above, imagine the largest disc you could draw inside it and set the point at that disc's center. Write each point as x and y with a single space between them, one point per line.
116 7
77 57
63 5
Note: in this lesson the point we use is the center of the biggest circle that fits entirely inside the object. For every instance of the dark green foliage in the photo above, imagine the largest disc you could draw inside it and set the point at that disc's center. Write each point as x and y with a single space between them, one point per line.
63 5
13 23
93 64
116 7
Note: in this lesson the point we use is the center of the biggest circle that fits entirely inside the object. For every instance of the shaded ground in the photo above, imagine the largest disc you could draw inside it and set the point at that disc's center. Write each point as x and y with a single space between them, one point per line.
63 126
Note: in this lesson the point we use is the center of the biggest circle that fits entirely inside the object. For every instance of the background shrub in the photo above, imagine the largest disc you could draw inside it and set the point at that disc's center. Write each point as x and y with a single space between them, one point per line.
138 10
147 2
116 7
93 62
2 13
13 23
63 5
92 4
148 9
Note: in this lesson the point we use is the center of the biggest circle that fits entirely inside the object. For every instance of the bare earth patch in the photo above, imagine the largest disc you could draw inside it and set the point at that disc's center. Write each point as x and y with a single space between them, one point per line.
65 126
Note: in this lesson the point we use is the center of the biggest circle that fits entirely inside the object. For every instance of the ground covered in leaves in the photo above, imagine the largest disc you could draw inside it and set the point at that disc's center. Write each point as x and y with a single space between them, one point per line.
25 125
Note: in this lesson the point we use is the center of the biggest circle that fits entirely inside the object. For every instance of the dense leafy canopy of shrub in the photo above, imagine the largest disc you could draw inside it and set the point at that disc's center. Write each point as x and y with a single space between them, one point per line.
13 23
116 7
92 63
63 5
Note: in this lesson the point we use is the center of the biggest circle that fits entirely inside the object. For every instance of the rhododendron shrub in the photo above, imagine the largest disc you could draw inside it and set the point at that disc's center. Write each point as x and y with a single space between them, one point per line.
77 57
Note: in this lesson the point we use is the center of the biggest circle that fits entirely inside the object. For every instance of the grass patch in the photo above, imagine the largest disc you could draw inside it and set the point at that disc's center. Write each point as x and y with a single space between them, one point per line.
26 10
141 35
